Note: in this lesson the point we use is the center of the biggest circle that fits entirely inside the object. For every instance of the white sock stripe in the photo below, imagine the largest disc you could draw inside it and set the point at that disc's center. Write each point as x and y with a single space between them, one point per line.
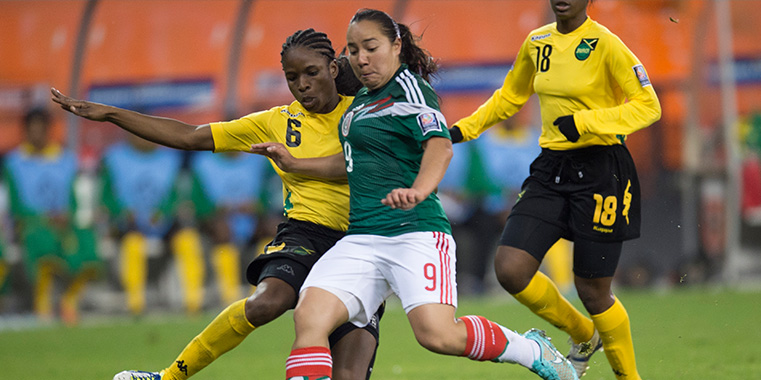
482 337
330 360
295 361
479 346
308 356
326 363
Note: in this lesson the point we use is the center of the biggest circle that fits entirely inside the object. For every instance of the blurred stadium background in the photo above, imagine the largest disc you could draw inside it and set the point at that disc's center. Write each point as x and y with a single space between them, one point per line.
211 60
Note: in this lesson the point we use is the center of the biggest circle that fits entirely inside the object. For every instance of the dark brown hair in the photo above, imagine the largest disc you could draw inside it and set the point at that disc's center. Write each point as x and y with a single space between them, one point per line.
416 58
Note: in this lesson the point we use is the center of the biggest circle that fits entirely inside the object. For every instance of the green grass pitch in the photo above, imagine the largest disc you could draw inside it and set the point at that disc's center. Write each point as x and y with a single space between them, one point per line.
693 333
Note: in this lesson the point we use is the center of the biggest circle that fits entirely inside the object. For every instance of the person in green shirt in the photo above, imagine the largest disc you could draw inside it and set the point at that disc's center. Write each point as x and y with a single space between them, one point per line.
41 177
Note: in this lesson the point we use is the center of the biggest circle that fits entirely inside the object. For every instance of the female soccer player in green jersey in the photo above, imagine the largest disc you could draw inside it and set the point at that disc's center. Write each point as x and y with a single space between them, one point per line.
317 209
583 186
396 148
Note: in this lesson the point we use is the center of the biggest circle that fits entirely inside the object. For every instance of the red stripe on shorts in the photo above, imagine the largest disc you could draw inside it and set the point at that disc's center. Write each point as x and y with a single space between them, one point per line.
442 245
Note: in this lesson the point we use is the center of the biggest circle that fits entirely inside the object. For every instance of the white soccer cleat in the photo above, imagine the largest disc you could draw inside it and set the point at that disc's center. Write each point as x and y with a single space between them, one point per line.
137 375
580 353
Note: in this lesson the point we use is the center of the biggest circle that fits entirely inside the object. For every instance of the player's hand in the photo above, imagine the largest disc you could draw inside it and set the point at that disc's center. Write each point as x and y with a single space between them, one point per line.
402 198
567 127
277 152
83 108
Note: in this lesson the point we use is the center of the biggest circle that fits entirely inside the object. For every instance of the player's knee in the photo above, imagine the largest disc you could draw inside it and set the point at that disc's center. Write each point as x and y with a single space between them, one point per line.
512 275
436 340
595 297
433 343
262 309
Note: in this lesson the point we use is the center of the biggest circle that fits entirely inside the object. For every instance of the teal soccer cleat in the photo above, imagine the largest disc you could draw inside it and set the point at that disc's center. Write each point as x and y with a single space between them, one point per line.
551 365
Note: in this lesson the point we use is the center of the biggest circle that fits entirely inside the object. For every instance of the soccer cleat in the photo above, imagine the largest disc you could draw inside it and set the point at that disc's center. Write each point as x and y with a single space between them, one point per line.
137 375
551 364
580 353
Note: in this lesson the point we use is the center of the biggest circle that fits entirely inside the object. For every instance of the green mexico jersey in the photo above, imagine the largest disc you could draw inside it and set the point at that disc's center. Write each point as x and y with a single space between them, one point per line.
382 135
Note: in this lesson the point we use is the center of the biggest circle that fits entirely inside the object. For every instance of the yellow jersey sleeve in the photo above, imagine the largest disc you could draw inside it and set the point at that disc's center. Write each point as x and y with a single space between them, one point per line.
588 73
641 107
504 102
240 134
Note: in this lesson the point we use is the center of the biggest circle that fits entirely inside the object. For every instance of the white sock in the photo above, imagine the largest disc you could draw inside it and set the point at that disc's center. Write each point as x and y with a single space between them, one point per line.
519 349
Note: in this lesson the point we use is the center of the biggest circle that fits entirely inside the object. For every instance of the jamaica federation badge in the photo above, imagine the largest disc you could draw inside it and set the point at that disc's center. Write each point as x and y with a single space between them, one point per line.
585 48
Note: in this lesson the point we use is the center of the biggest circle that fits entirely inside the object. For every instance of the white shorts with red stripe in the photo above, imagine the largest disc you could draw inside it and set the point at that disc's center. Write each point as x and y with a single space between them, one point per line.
364 270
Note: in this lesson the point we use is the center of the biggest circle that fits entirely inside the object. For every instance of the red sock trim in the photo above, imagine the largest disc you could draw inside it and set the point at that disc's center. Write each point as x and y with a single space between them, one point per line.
486 340
312 362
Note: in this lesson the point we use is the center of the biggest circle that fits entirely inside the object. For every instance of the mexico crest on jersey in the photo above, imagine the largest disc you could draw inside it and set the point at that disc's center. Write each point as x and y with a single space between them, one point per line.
346 123
585 48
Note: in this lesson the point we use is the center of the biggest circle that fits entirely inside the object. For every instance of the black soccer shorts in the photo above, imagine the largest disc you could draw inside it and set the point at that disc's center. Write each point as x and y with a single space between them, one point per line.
290 255
592 193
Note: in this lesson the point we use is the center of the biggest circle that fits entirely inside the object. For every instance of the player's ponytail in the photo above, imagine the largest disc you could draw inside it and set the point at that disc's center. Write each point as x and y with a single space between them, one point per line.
417 58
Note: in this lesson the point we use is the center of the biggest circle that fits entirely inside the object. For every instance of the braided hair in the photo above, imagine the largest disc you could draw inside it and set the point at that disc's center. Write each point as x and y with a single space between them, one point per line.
346 83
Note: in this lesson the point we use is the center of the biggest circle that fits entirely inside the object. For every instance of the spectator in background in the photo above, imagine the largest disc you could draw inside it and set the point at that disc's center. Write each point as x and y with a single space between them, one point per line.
140 192
226 191
3 265
4 234
41 175
750 128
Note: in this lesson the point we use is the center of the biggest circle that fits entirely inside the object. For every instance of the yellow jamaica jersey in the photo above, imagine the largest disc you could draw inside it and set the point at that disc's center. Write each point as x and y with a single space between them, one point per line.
305 134
588 73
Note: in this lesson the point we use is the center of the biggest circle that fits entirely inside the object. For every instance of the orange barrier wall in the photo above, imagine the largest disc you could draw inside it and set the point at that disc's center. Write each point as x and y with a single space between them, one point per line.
143 41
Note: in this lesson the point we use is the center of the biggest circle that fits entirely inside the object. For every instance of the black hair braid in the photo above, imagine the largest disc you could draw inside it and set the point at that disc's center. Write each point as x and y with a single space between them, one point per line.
346 82
311 39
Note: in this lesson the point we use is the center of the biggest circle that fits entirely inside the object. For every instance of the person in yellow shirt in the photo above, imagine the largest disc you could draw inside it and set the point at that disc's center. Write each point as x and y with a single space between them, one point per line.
593 92
317 209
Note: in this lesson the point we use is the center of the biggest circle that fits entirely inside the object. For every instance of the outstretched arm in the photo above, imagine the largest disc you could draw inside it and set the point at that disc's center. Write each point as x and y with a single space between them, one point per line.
324 167
168 132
